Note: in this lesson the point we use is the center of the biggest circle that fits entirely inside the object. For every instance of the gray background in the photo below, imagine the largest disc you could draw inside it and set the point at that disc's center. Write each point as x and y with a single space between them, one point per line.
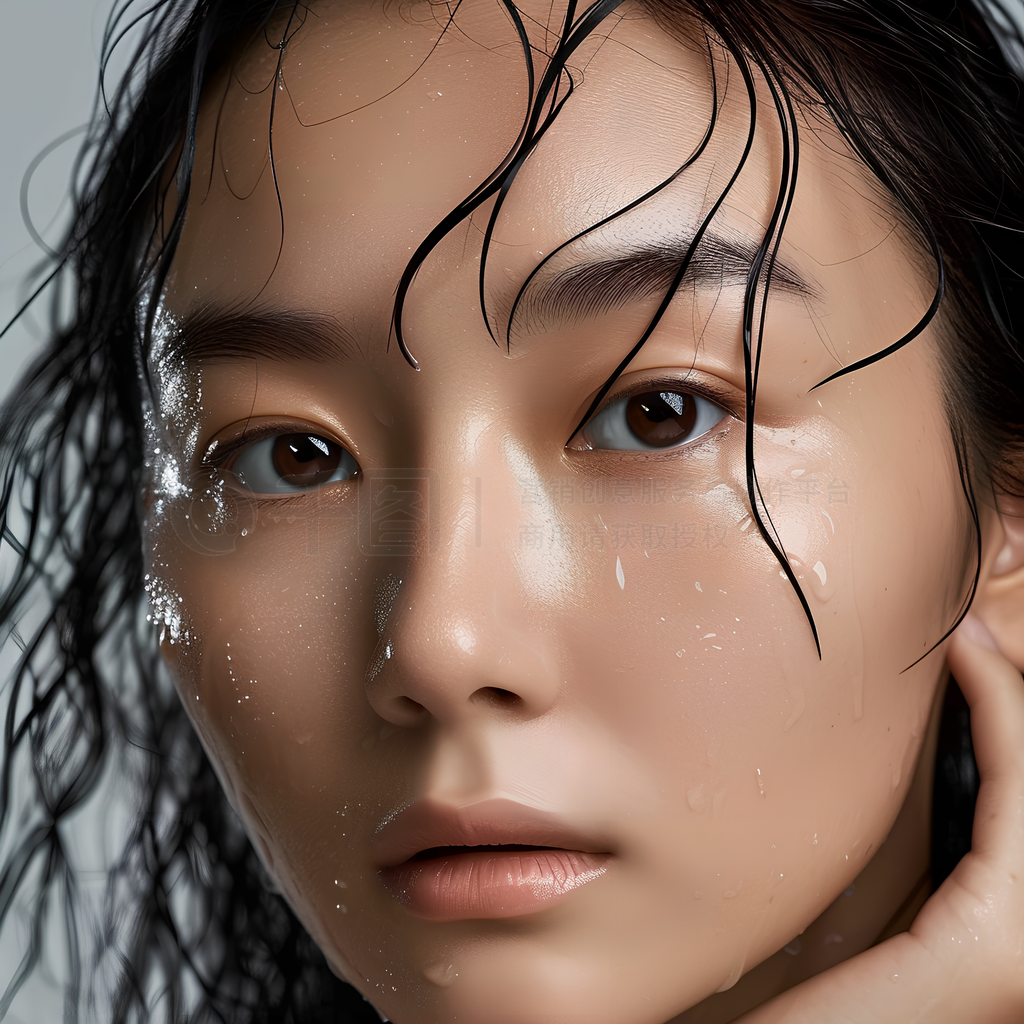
47 81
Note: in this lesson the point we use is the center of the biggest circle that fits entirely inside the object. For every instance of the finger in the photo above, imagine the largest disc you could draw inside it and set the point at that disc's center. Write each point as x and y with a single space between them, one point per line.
994 690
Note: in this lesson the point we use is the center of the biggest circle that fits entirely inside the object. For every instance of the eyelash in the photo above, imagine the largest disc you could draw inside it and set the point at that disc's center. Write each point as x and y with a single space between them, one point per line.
721 397
221 457
218 454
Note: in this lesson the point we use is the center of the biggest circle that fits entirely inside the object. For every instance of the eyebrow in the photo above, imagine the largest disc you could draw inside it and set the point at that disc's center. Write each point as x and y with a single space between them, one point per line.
584 291
280 335
595 287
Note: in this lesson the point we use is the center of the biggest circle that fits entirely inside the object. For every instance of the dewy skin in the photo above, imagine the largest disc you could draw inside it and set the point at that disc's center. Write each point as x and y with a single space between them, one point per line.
560 591
582 734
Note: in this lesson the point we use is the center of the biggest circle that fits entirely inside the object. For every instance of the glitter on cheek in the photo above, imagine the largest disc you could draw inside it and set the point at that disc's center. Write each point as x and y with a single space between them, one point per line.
166 611
172 418
172 432
198 503
173 415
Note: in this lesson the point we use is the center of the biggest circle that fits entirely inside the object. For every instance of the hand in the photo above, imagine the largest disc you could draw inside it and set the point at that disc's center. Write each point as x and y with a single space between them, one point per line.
962 962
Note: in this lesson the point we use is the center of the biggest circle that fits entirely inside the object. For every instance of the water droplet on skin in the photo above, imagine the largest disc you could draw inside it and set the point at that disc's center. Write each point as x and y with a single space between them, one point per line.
794 947
734 976
619 574
760 782
819 569
698 895
697 585
850 891
441 974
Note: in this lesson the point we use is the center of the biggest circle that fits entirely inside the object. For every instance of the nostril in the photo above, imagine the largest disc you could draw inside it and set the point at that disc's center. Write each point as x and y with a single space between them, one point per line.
497 697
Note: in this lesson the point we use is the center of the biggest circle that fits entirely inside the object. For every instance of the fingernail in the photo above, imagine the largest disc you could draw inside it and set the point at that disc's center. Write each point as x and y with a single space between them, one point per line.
978 633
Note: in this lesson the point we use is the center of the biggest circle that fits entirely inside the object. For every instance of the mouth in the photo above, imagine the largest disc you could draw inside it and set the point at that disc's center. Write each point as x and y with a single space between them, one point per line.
496 859
453 851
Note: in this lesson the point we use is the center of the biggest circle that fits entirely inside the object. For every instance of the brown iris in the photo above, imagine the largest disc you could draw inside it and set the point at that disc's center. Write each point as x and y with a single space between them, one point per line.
661 418
305 460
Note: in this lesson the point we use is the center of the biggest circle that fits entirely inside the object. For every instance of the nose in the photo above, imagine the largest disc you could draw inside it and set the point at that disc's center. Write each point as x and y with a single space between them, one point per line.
464 630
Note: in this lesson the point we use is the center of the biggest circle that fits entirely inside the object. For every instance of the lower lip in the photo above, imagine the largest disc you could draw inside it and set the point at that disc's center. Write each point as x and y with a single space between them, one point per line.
481 884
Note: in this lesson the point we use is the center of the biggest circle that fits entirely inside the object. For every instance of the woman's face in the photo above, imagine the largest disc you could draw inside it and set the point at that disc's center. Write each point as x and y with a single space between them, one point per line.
413 615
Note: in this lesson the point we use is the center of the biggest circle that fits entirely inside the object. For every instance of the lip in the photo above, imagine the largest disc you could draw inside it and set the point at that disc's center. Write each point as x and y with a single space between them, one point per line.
530 859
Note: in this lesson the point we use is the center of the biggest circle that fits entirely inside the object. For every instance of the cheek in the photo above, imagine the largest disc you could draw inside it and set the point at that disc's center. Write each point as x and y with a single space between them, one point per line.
733 765
704 667
762 762
278 639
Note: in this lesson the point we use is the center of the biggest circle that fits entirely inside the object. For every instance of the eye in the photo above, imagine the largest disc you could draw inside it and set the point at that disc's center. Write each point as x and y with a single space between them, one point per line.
652 420
286 463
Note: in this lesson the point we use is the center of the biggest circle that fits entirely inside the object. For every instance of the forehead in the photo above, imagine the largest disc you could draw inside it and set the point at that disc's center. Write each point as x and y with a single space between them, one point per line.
321 166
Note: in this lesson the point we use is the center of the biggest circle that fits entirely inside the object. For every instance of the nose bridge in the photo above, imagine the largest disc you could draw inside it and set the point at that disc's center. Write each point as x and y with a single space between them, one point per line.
463 628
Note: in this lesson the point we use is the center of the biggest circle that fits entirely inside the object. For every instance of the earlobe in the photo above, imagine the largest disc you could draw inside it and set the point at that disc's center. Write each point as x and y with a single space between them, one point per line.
1000 600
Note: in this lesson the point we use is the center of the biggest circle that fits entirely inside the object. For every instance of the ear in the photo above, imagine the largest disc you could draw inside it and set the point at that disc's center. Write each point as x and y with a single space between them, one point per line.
1000 599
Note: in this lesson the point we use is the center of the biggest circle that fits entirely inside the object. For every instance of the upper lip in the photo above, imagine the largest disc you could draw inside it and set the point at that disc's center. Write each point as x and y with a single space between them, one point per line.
428 823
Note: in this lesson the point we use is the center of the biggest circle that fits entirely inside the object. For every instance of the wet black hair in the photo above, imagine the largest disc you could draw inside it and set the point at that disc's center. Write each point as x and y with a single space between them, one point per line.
926 93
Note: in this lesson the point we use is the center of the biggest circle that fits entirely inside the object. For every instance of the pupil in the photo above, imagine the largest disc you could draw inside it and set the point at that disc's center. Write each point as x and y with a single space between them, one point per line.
305 460
661 418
